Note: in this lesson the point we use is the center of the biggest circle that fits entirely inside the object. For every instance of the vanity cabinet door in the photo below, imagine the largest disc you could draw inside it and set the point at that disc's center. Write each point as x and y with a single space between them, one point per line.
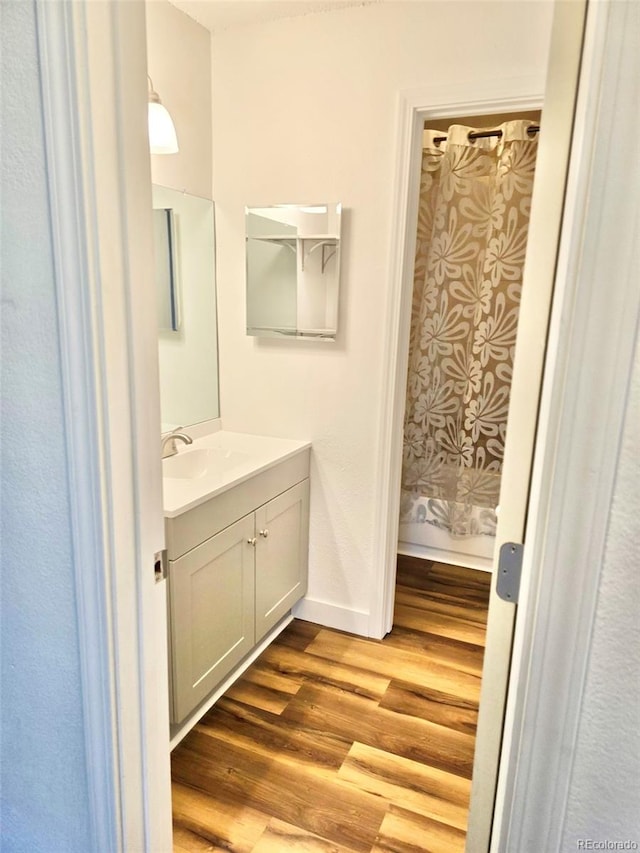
211 613
282 545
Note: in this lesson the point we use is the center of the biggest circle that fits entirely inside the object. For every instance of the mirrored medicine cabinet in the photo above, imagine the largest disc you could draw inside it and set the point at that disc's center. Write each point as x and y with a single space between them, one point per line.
184 244
293 270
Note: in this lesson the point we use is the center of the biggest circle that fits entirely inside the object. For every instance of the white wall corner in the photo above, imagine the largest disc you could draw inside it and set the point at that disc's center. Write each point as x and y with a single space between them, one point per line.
332 616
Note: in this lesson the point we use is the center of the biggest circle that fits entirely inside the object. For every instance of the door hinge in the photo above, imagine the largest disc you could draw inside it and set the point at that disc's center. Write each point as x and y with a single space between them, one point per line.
160 565
509 571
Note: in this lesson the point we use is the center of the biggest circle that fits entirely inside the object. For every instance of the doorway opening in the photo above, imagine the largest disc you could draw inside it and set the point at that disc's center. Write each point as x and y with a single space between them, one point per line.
476 182
473 179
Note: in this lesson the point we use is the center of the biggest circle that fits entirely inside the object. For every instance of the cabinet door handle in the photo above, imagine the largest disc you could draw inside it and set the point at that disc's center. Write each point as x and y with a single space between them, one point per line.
251 541
264 533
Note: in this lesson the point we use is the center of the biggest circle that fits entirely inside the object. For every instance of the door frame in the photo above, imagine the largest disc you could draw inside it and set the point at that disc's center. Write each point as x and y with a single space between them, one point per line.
92 61
414 107
504 96
579 430
559 93
127 765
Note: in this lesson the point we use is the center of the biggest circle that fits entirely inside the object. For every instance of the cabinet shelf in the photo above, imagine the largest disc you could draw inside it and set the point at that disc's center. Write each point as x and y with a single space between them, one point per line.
291 238
284 239
296 242
325 334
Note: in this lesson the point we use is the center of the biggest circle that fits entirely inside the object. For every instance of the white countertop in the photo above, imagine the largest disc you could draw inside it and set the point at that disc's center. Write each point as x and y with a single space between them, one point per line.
218 462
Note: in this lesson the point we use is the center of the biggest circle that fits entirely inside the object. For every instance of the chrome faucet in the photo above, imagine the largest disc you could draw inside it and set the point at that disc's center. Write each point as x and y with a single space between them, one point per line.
168 445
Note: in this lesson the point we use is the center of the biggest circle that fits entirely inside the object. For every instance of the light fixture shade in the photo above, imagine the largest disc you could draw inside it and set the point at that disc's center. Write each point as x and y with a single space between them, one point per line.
162 133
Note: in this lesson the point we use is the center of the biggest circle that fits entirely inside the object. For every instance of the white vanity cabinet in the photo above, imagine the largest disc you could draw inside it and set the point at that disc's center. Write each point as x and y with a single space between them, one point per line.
237 564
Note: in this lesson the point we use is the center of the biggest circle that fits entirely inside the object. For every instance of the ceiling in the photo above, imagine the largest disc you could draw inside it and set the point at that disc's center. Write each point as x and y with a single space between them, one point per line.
218 15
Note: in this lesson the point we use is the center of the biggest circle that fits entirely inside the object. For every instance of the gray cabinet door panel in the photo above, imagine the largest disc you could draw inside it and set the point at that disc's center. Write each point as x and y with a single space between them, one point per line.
281 555
211 613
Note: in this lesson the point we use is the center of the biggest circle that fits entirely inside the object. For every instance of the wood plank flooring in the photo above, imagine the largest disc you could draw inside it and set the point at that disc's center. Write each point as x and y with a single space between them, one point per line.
331 743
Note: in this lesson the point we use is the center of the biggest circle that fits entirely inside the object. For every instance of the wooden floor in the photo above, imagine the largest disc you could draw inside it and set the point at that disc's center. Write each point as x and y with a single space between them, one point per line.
331 742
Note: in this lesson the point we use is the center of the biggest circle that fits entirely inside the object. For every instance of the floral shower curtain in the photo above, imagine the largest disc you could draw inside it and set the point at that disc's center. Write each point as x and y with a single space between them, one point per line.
475 199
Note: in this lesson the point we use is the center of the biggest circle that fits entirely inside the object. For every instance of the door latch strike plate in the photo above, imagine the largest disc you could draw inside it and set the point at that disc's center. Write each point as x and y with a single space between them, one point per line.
509 571
160 565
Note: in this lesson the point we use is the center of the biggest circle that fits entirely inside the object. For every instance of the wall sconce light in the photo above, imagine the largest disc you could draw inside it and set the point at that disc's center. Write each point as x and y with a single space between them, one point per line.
162 133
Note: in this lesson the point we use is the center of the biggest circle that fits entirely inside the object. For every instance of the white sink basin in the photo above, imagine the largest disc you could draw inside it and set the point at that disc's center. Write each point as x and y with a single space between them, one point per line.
216 462
191 464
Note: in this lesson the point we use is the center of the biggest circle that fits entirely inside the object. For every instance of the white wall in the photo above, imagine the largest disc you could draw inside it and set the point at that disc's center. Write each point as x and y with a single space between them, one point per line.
179 63
44 801
304 111
604 798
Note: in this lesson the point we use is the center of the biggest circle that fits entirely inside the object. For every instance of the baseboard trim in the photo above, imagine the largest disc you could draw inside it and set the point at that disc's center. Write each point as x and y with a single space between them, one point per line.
332 616
440 555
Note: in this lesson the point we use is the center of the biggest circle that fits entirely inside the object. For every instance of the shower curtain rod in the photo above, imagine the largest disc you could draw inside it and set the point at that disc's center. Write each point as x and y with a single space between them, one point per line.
485 134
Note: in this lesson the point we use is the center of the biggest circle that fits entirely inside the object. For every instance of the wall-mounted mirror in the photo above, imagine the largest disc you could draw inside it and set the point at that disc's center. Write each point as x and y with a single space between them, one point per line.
293 270
184 240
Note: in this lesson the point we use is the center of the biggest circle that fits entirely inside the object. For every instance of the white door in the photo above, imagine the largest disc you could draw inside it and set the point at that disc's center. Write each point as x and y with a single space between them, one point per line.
557 98
539 272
